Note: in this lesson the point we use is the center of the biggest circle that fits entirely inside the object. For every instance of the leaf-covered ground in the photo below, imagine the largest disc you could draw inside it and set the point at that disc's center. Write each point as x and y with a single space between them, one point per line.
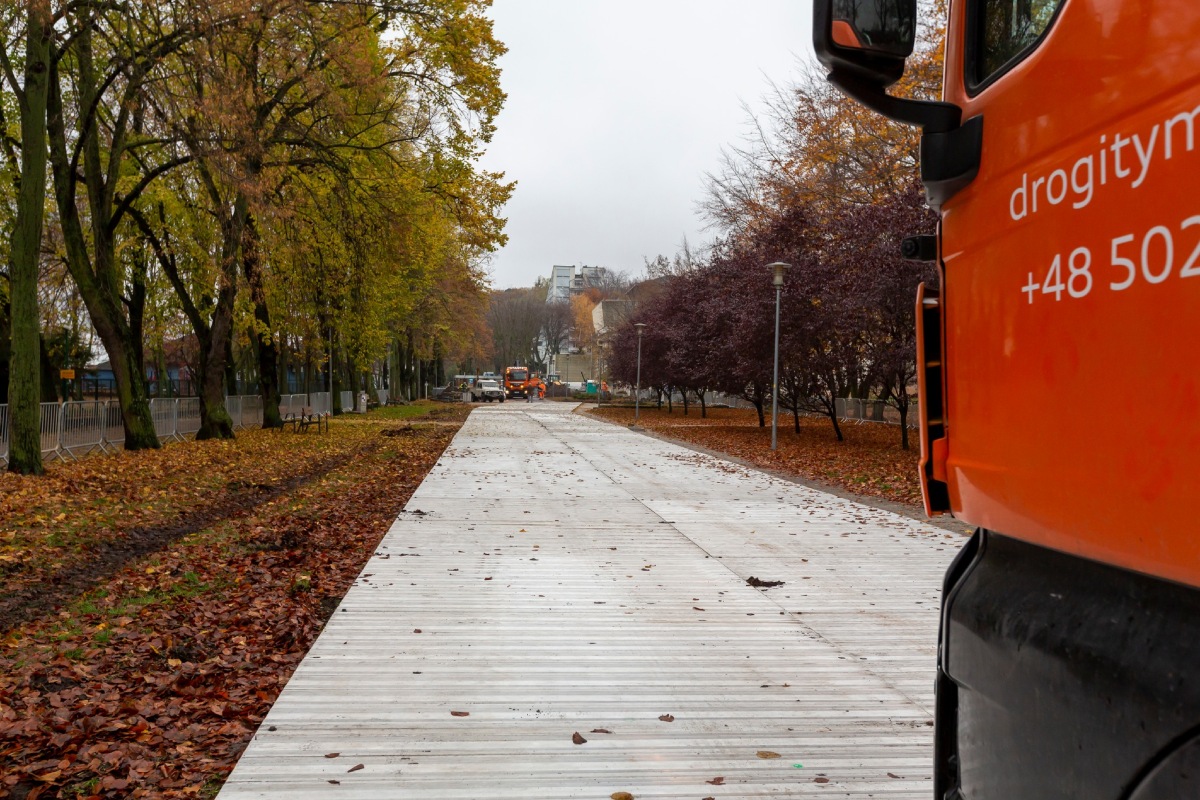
153 605
869 462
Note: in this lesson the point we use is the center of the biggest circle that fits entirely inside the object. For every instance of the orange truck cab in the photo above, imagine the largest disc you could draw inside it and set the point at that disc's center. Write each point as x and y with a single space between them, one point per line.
1059 377
517 382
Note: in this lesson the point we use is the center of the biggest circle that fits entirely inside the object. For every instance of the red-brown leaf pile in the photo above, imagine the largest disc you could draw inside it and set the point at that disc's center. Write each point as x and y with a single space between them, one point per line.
869 462
150 681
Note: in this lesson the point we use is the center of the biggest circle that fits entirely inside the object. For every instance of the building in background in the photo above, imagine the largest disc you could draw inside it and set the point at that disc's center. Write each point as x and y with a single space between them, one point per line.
569 279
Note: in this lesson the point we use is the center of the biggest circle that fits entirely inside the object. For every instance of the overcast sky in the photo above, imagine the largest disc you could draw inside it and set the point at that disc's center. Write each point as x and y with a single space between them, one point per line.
616 109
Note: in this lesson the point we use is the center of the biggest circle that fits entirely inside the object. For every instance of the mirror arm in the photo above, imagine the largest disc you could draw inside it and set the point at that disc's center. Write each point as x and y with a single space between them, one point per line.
930 116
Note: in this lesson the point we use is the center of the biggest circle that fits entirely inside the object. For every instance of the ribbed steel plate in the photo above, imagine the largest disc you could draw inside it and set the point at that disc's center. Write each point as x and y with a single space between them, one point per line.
556 575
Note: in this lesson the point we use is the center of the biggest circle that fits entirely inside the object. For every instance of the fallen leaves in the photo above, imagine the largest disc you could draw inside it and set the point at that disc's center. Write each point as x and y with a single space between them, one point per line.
460 713
151 683
869 461
767 754
577 739
667 718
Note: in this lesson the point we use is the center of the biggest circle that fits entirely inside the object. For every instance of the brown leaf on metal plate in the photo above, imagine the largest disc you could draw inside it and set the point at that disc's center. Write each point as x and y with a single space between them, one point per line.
820 780
577 739
356 768
717 781
667 718
891 775
768 754
621 796
332 755
599 730
460 713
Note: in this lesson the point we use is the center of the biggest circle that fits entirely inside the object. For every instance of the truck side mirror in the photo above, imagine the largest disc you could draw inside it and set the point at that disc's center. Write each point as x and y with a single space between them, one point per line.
864 44
868 38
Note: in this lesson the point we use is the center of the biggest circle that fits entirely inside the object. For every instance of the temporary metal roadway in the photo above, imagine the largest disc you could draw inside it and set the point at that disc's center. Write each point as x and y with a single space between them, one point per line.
562 611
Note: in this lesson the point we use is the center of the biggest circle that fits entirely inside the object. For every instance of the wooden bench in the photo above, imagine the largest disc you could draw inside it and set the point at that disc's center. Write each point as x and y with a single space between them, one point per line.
305 419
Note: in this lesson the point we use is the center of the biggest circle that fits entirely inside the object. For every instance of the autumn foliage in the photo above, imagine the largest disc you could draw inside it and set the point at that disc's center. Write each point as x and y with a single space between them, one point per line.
830 188
156 603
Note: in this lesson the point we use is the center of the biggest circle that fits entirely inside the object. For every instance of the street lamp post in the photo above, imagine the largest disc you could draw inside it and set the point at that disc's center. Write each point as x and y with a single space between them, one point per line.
637 387
600 370
779 268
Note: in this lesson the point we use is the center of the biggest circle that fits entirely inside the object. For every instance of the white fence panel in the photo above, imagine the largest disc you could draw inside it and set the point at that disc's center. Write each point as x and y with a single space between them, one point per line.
164 412
82 426
347 401
233 405
113 432
51 426
187 420
320 403
251 411
292 403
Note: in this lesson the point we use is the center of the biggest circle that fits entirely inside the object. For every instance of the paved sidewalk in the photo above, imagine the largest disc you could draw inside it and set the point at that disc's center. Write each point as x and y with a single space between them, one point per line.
557 575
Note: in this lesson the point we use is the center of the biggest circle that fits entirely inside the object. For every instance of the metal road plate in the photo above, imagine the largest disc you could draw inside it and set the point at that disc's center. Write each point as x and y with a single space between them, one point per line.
567 576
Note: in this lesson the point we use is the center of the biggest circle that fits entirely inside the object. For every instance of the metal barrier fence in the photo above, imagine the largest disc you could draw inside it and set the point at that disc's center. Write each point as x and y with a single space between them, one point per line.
246 411
165 414
187 416
849 409
292 404
320 403
81 427
856 410
77 428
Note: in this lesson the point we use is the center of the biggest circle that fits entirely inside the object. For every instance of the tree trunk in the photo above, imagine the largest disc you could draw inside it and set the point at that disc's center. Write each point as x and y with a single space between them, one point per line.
902 407
5 346
837 428
25 439
215 422
336 391
49 374
100 283
263 340
758 406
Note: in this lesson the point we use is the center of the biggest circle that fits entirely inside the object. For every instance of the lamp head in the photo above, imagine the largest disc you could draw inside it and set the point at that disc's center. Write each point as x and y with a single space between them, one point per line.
779 268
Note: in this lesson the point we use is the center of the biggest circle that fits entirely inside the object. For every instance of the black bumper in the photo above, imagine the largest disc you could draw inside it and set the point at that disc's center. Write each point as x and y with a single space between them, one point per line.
1061 678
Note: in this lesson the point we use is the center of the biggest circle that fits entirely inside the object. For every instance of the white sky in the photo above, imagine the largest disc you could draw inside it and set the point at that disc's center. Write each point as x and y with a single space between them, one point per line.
615 110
